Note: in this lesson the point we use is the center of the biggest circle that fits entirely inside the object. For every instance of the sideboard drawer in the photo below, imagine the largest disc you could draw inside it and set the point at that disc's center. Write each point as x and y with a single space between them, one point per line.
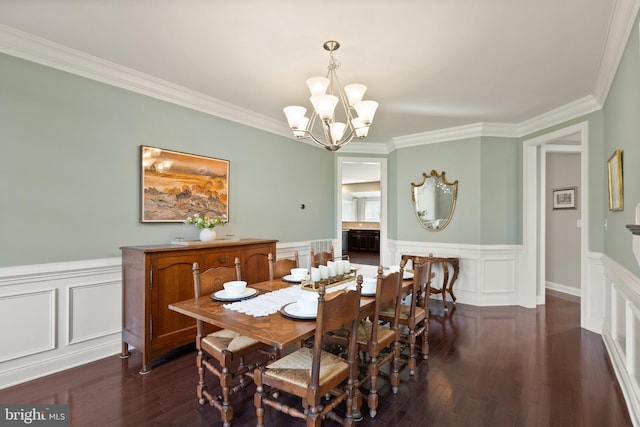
220 259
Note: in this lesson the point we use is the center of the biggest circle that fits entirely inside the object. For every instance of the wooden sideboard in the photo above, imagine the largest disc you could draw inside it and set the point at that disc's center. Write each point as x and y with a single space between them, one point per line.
155 276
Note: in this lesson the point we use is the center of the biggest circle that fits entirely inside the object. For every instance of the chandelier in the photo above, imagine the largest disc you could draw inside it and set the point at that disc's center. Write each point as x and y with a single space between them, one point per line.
326 93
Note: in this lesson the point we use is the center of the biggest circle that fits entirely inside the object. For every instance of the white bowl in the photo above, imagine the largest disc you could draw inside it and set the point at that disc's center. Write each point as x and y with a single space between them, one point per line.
308 303
369 285
299 273
235 287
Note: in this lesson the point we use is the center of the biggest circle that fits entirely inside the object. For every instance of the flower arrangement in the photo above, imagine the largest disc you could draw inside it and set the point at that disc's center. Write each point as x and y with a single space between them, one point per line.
205 221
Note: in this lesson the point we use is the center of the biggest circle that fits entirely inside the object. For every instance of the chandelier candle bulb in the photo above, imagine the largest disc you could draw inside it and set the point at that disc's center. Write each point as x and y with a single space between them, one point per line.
324 105
366 111
318 85
295 115
355 92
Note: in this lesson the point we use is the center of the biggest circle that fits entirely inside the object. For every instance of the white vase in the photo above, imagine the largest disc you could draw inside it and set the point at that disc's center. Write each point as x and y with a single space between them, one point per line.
208 234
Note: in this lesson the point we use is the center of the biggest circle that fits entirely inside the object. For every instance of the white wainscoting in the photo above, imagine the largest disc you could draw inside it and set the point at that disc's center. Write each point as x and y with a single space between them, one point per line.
488 273
60 315
56 316
621 331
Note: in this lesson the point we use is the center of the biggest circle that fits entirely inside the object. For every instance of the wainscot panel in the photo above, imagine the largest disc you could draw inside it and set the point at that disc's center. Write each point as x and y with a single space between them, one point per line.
621 331
488 273
72 312
66 314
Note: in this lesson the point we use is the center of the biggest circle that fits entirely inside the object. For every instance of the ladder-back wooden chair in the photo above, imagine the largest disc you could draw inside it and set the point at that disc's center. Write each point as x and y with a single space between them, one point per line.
376 340
414 315
226 347
321 258
312 373
282 267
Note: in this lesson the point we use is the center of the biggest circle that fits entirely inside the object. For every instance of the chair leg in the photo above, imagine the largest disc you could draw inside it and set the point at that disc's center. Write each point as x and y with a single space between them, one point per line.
225 382
257 398
201 385
372 399
395 367
425 340
411 338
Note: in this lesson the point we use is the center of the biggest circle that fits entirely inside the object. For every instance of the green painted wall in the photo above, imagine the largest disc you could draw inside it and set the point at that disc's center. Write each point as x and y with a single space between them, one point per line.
489 205
69 169
460 161
69 172
622 131
501 191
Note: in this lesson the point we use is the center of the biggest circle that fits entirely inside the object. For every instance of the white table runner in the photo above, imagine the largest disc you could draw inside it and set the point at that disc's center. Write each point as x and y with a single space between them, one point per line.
271 302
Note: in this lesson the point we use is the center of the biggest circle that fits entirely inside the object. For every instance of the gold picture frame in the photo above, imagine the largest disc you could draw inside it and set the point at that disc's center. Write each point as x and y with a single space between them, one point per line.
614 168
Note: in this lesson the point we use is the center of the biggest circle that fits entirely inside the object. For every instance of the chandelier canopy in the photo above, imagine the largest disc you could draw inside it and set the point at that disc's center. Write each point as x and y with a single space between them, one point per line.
326 93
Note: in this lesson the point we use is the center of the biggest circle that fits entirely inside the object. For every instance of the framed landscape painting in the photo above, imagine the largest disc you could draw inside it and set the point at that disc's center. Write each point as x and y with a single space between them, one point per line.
178 185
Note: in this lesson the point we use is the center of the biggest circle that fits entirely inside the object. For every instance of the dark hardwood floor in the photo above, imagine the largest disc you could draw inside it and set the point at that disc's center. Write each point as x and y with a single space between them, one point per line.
361 257
489 366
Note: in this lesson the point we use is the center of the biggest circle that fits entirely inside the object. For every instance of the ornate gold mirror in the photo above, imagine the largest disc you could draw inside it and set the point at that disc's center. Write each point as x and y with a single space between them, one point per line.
434 200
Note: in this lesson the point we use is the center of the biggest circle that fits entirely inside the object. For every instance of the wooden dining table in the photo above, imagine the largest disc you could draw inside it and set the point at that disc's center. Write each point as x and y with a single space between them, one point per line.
277 330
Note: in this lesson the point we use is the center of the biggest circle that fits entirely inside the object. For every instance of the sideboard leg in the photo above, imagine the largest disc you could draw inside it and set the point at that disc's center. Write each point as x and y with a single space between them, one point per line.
125 351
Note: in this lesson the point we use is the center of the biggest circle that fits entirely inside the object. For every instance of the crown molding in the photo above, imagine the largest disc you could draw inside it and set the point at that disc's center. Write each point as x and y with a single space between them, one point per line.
474 130
45 52
620 26
572 110
35 49
358 147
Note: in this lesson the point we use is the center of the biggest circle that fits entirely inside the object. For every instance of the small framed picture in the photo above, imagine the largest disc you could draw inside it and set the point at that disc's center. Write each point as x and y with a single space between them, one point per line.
614 168
564 198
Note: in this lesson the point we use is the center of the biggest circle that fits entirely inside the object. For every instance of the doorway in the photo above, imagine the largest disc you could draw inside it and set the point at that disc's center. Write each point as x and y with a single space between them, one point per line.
534 207
361 208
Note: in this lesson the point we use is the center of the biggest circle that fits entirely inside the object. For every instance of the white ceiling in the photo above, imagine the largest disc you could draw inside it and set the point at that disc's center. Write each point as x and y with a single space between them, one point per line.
431 64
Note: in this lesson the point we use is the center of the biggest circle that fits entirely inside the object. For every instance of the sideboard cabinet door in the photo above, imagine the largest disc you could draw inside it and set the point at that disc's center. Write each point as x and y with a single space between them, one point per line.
155 276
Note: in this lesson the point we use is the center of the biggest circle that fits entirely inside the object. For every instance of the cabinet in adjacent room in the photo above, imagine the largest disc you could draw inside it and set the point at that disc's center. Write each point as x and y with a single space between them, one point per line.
364 240
157 275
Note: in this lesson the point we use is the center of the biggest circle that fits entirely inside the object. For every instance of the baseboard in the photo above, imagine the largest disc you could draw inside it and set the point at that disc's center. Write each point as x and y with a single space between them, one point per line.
564 289
47 366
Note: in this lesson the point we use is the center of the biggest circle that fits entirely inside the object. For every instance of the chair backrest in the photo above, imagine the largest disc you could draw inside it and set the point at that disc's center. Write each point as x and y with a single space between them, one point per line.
212 280
335 310
282 267
321 258
421 282
388 292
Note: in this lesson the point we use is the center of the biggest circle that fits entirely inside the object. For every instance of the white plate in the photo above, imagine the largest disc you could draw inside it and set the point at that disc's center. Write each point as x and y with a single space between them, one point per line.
223 295
289 278
293 310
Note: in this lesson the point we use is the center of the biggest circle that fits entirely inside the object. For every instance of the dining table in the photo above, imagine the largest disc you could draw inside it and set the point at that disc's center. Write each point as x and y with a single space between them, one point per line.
272 327
275 329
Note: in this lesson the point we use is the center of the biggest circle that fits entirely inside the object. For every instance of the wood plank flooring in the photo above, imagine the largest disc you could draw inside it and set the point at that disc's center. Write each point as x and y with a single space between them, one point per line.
489 366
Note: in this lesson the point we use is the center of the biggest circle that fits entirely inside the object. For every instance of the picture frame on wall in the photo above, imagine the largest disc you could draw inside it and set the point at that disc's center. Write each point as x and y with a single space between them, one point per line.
564 198
176 185
614 169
